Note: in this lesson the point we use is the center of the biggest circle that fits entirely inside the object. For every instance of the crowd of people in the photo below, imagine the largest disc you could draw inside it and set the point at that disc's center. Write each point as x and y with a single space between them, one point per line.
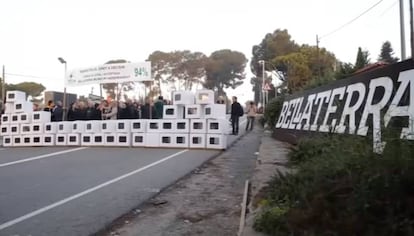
105 110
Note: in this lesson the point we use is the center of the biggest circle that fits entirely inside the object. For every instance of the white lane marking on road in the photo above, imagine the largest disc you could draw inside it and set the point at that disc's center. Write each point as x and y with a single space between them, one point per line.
76 196
41 157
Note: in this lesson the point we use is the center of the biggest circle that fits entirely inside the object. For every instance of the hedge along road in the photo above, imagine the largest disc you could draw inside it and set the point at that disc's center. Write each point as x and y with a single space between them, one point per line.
77 191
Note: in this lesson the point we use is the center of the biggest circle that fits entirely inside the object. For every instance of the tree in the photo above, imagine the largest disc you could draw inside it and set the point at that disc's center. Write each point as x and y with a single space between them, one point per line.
178 68
30 88
111 88
362 59
224 69
344 71
278 43
298 72
387 53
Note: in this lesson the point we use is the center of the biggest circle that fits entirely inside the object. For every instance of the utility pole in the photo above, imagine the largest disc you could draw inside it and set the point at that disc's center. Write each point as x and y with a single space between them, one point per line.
412 29
3 86
317 57
402 30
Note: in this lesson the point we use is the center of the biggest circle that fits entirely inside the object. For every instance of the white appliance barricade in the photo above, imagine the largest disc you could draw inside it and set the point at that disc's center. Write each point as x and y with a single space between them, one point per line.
181 141
138 126
110 139
183 98
14 130
37 140
15 96
216 141
217 126
93 126
25 118
194 112
197 140
61 140
7 141
50 128
138 139
64 127
123 139
108 126
23 107
98 139
49 140
14 119
204 97
198 126
215 111
86 139
166 140
123 126
17 141
173 112
168 126
37 128
152 140
74 139
41 117
182 126
4 130
5 119
25 129
78 127
154 126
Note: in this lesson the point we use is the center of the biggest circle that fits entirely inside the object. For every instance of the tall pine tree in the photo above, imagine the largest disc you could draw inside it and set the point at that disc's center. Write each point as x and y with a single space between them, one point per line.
387 53
362 59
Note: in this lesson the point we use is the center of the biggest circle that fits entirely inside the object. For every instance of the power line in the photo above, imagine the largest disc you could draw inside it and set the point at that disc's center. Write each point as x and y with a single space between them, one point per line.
389 8
29 76
351 21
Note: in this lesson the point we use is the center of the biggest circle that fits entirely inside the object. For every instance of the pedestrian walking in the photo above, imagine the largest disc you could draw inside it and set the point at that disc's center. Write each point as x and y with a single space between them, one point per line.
251 115
236 112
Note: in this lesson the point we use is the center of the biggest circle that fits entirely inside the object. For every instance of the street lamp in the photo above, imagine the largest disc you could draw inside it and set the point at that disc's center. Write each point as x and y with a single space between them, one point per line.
64 89
263 83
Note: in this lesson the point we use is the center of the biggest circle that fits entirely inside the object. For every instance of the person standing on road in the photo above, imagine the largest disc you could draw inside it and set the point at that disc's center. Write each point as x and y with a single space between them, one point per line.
251 114
236 112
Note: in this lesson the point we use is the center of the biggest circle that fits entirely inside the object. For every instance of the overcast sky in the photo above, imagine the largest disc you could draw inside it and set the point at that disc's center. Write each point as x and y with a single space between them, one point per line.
34 33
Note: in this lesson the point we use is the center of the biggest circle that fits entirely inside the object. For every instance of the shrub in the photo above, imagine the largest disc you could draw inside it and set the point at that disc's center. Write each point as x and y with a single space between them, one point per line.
340 187
272 111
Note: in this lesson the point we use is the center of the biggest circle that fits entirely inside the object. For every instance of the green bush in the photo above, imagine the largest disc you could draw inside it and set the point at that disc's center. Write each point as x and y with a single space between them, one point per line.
272 111
340 187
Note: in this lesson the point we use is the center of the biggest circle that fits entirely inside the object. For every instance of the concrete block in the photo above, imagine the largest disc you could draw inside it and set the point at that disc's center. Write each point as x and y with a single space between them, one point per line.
216 141
193 112
197 140
204 96
173 112
198 126
215 111
183 98
41 117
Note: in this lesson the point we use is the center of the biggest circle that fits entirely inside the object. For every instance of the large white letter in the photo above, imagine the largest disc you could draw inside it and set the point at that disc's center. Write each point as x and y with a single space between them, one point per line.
375 110
406 78
332 109
307 112
296 114
282 114
322 96
350 110
288 116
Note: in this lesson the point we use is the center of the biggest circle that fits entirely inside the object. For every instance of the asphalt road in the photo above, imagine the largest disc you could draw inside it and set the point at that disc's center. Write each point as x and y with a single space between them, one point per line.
77 191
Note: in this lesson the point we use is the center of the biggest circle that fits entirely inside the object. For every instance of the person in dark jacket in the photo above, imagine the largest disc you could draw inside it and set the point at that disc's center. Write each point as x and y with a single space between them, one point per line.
57 112
236 112
159 107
